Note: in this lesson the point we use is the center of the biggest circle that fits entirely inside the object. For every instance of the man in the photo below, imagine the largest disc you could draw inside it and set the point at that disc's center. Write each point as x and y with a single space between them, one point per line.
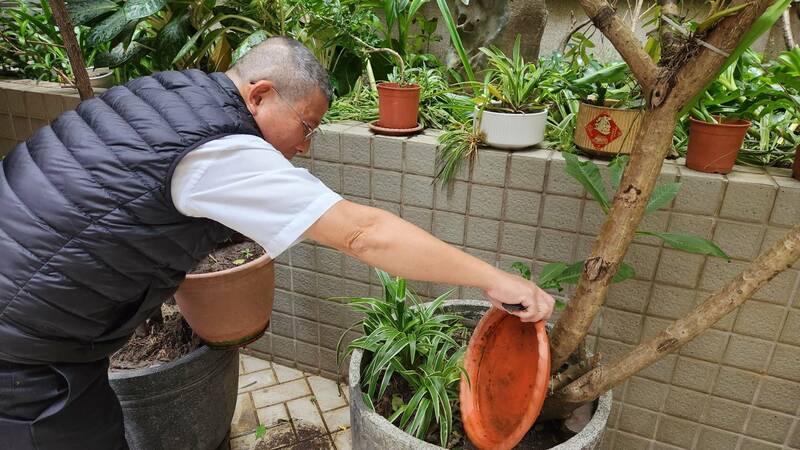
106 209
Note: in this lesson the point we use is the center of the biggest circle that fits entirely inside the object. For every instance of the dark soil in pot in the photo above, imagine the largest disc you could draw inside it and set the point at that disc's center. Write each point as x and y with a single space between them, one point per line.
228 256
160 340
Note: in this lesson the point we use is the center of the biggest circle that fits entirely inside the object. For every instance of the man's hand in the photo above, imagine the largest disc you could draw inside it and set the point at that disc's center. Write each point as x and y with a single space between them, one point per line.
511 289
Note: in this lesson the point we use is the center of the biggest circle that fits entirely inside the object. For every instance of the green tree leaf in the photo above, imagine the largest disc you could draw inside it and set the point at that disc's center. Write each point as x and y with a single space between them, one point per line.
170 40
617 168
523 269
138 9
83 11
661 197
587 174
117 56
625 272
549 274
455 39
249 42
688 243
107 29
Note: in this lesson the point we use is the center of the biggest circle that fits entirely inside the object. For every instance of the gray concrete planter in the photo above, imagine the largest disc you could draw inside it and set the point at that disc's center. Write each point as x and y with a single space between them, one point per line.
185 404
372 431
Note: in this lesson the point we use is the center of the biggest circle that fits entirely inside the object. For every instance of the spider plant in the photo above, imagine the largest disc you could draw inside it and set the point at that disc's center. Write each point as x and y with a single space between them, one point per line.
405 339
512 85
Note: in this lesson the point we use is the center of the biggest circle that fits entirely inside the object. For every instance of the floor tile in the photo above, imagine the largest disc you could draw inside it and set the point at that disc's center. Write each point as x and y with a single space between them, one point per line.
251 364
327 393
305 410
286 373
338 419
280 393
273 415
245 419
343 440
246 442
256 380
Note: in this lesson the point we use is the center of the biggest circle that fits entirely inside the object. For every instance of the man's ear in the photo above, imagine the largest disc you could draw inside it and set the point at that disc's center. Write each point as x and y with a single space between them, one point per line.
257 92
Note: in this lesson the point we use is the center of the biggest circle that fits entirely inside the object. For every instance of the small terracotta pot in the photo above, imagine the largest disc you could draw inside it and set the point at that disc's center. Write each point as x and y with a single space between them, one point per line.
713 147
796 165
232 307
507 367
398 106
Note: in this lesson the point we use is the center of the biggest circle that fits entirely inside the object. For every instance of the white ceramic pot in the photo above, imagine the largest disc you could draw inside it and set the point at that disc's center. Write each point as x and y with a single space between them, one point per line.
513 131
101 77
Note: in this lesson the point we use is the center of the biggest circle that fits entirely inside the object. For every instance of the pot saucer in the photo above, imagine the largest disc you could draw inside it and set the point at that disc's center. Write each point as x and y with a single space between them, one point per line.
507 368
394 131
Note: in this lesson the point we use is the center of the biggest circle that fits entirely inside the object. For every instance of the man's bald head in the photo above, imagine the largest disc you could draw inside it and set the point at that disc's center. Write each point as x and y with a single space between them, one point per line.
288 64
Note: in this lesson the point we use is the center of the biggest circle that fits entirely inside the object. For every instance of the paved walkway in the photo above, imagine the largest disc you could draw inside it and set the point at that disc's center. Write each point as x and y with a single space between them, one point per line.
288 409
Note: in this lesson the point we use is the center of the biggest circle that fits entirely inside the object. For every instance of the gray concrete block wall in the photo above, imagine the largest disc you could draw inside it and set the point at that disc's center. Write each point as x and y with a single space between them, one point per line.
26 106
735 386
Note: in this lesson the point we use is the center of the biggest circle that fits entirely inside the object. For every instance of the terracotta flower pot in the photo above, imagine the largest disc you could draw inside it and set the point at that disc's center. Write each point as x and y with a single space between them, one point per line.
796 165
508 365
713 147
232 307
398 106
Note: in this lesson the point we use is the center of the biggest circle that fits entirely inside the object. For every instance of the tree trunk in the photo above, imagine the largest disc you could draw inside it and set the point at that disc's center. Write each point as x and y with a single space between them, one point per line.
667 91
786 24
61 16
655 139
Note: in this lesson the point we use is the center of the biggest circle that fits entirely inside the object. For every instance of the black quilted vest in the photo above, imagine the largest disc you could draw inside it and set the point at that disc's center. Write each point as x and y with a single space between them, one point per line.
90 242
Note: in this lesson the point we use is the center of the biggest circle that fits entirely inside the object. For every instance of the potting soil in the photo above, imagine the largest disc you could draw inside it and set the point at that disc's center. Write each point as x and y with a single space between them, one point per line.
156 342
229 256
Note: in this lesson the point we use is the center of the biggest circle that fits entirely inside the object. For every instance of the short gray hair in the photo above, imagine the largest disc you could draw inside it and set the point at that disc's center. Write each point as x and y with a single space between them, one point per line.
287 63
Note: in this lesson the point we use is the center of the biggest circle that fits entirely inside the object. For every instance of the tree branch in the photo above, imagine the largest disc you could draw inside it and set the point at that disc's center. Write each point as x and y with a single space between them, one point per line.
603 16
779 257
670 43
697 72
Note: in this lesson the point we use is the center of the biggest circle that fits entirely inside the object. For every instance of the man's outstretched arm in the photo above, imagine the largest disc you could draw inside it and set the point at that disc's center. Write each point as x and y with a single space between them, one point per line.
383 240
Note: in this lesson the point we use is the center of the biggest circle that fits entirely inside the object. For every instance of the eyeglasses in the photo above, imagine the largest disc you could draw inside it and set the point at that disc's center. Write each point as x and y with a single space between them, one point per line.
310 131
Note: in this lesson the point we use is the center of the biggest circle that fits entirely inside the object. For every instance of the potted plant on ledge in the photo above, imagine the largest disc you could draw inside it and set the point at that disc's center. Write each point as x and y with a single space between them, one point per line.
398 102
511 113
610 115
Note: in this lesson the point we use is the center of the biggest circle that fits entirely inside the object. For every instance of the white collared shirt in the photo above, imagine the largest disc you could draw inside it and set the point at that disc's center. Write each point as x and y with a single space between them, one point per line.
244 183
